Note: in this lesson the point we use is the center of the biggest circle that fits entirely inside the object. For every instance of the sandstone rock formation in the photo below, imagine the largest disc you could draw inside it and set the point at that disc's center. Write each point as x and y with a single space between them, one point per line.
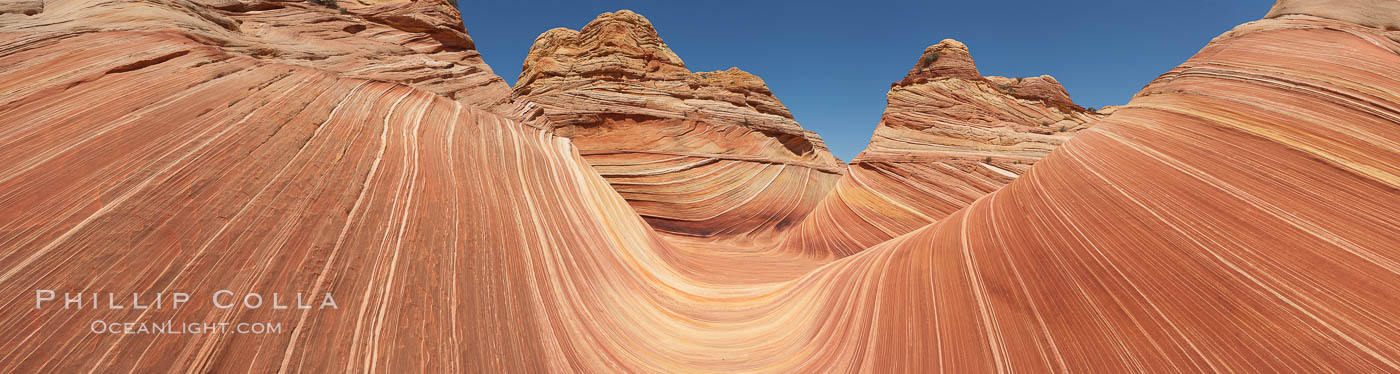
945 110
1378 13
24 7
422 43
1236 216
709 154
948 136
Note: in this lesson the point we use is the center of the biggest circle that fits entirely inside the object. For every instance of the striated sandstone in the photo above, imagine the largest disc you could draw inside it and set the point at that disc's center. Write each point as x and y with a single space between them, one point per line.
1236 216
944 109
21 7
1241 197
709 154
419 43
948 136
1382 14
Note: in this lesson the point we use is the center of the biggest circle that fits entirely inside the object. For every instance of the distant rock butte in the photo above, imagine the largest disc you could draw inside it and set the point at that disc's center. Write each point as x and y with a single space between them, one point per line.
948 136
945 110
709 154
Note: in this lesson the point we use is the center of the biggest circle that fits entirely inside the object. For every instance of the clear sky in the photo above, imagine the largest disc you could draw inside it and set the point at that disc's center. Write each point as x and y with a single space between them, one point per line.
832 62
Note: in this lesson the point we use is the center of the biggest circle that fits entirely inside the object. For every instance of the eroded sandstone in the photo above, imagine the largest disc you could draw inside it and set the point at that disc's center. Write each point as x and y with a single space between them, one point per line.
1236 216
709 154
948 136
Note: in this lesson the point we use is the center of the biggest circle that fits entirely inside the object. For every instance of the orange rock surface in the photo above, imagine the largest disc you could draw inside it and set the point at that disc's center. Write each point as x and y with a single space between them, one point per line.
422 44
1238 215
948 136
710 154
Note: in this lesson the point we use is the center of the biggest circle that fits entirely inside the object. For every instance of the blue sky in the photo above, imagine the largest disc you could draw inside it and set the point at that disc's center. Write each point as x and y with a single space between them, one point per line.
832 62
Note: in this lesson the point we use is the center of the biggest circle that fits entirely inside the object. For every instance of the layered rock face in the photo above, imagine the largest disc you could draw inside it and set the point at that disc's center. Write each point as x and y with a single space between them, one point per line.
948 136
1378 14
1242 197
710 154
422 44
1236 216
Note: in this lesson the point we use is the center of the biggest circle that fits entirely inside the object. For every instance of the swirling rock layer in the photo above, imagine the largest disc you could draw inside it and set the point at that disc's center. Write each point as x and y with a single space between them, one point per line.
1213 224
700 154
1236 216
